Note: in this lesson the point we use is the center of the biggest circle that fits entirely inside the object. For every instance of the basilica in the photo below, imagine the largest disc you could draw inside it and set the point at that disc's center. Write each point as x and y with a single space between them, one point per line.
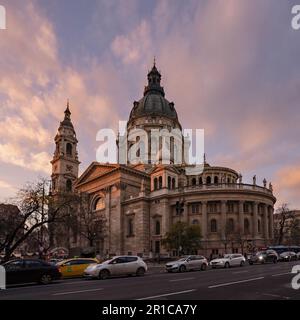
139 200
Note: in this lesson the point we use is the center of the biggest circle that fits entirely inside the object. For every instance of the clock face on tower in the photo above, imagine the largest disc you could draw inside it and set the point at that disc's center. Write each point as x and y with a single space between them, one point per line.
69 168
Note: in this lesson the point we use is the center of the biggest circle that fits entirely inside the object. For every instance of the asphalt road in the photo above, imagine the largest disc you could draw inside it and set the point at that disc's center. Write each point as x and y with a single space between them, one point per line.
258 282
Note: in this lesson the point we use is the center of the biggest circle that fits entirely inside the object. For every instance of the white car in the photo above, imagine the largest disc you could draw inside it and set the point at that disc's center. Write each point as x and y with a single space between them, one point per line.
117 266
229 260
288 256
192 262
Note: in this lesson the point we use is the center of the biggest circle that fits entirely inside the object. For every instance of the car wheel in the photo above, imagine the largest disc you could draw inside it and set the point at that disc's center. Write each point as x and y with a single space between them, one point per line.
203 267
140 271
104 274
45 279
275 260
242 263
251 263
182 269
227 265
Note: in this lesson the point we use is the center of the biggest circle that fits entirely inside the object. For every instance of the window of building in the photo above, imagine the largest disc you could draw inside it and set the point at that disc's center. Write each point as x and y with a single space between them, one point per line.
200 181
213 225
160 182
258 226
246 207
157 227
230 225
155 183
169 182
212 207
130 227
195 208
216 180
99 204
230 207
69 185
195 221
194 182
246 226
208 180
69 149
173 183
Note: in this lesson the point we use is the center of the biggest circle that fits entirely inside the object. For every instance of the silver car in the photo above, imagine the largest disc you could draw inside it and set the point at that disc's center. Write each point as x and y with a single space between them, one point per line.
229 260
191 262
117 266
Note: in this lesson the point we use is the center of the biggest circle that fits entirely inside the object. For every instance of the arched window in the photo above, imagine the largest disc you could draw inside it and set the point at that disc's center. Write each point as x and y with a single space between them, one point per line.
155 183
99 204
208 180
69 149
200 181
228 180
230 225
194 181
195 221
173 183
213 225
258 226
130 227
157 227
216 180
69 185
160 182
169 183
246 226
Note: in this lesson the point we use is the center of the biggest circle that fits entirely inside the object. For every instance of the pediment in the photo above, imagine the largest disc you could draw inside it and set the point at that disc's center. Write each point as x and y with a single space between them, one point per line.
95 170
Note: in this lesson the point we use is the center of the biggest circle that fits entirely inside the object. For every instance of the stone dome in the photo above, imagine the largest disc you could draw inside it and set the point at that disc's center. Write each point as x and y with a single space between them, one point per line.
154 102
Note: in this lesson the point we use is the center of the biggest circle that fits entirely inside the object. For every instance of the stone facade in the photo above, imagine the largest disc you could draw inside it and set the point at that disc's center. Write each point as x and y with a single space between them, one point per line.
139 201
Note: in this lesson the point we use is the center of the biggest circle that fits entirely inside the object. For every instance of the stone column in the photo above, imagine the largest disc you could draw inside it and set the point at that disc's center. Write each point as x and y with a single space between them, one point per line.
241 217
223 219
255 218
266 223
271 220
204 220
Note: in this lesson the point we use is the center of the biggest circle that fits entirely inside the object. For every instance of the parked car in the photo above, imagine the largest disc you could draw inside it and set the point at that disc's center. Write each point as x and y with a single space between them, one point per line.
192 262
75 267
30 270
263 257
117 266
288 256
298 256
229 260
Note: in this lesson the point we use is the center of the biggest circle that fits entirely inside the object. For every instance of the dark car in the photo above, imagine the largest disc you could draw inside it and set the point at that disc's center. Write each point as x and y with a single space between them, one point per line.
288 256
30 270
263 257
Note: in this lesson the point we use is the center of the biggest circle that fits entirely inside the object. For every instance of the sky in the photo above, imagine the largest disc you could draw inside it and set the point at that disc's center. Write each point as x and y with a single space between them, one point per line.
231 67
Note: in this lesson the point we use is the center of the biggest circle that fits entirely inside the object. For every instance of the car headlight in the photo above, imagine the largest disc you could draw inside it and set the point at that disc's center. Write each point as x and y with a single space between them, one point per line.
260 257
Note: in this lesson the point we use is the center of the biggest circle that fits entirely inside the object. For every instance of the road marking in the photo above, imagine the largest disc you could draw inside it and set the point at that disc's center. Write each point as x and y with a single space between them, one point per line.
235 282
167 294
238 272
73 292
280 274
276 296
181 279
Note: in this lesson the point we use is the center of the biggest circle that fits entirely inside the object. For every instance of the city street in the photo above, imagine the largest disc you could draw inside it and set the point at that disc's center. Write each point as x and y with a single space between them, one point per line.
258 282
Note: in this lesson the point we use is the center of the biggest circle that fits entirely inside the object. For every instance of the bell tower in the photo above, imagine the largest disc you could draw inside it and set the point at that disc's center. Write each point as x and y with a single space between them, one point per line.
65 164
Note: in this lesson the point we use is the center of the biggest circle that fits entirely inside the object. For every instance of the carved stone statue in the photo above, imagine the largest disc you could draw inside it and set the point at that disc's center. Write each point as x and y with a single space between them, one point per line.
270 187
240 178
265 182
254 180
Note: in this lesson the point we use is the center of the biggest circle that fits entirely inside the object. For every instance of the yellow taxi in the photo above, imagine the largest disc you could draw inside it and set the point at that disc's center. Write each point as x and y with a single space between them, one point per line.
74 267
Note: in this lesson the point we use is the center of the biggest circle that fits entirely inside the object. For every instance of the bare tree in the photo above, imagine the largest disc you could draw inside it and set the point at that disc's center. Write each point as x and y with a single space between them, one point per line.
284 216
34 213
91 224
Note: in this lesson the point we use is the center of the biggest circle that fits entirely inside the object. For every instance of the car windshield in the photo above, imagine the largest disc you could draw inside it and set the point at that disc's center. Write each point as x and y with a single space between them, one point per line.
183 259
227 256
260 253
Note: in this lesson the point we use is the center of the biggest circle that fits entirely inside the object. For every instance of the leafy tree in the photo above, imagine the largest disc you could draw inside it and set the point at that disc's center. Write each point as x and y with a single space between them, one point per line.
184 238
